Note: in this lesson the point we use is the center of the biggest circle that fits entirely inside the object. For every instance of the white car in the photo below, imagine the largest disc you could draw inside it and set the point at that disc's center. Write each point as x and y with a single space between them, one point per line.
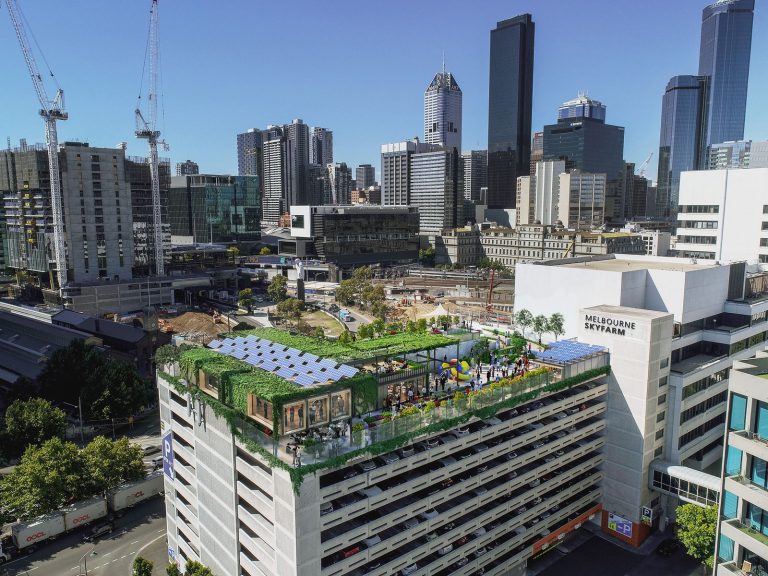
445 550
429 514
409 569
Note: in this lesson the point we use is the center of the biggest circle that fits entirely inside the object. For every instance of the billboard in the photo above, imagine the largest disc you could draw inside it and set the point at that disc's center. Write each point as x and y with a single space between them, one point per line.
620 525
167 444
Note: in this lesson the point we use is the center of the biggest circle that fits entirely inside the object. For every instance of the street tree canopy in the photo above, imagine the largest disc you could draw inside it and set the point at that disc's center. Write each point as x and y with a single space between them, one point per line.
142 567
108 388
109 463
194 568
696 528
31 422
278 289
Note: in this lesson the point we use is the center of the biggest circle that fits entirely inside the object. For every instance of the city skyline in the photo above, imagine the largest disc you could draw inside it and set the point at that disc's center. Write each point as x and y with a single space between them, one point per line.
101 105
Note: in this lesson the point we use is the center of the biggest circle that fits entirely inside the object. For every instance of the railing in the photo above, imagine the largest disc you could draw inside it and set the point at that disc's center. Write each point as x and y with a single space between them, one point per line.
749 531
401 375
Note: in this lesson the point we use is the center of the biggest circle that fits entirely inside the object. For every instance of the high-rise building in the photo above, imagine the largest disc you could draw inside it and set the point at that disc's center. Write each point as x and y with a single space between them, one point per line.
338 184
365 176
210 208
396 170
273 198
724 54
434 189
740 546
96 201
682 143
318 184
739 154
581 200
249 153
297 162
321 151
442 111
539 205
590 145
510 99
137 172
635 193
474 173
187 168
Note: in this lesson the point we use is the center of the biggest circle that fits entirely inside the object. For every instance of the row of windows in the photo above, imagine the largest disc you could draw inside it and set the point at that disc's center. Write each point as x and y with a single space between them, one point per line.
699 431
705 383
688 490
699 209
702 407
701 224
697 239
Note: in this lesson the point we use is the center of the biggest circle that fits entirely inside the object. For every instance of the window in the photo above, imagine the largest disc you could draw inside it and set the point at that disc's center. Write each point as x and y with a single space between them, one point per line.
702 407
664 363
660 416
663 381
758 472
738 417
761 424
733 461
730 505
662 399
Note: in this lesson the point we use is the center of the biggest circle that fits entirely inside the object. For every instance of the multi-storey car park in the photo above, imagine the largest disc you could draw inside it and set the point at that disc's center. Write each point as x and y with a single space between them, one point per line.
476 485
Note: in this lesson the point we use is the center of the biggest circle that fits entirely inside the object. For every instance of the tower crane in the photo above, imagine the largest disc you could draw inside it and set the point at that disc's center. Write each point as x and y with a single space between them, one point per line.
148 129
644 165
51 111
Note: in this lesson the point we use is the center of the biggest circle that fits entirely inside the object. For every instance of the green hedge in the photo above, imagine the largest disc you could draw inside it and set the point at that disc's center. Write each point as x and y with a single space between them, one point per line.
236 418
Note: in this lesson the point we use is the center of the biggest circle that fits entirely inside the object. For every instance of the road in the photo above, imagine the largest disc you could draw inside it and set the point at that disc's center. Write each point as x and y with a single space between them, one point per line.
141 527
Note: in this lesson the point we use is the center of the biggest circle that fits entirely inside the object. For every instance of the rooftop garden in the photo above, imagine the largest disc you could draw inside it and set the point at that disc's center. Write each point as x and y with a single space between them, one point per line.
356 351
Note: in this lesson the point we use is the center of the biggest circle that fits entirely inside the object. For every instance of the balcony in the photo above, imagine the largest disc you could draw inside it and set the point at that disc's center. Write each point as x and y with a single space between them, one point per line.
745 489
746 536
749 442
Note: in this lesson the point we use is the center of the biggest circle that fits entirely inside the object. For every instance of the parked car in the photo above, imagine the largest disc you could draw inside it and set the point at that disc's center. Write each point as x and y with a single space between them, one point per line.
429 514
326 508
445 550
407 451
409 569
389 457
372 541
461 431
98 531
367 466
148 449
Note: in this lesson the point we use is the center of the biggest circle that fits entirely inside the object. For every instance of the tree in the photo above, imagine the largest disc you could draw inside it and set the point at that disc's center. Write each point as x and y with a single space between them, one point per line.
48 477
234 253
380 310
345 337
173 570
524 319
109 464
265 251
410 326
278 289
168 353
427 256
421 325
364 331
696 530
540 325
318 333
245 299
194 568
142 567
107 387
345 293
291 308
32 422
556 324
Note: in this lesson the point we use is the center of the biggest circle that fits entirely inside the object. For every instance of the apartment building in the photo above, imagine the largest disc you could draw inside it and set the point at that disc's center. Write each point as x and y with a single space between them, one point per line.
469 488
741 545
720 316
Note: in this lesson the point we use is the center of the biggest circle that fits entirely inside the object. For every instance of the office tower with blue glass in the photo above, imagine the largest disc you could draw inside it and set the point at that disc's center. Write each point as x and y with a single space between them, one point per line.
585 142
726 43
682 143
510 97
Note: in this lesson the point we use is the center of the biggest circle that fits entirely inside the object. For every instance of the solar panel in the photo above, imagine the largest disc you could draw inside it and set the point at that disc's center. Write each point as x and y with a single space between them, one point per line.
310 357
348 370
214 344
304 380
286 373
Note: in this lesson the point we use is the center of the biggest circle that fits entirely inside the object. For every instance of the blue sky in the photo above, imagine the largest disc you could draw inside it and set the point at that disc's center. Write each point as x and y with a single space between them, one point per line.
358 68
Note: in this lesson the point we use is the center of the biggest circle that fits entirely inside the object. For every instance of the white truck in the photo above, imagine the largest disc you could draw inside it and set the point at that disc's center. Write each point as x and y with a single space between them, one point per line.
25 536
130 494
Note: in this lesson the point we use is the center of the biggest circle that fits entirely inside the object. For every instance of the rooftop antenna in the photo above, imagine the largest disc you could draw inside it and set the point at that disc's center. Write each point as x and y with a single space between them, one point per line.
443 62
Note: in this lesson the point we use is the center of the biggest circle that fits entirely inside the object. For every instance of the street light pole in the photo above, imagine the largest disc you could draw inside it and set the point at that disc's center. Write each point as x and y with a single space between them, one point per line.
84 559
80 411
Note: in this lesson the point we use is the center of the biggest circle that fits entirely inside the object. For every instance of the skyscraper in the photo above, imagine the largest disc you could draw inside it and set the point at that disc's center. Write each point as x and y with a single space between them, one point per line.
474 173
321 151
682 143
273 196
510 96
249 153
365 176
442 111
433 188
338 184
726 43
296 164
591 145
537 151
396 170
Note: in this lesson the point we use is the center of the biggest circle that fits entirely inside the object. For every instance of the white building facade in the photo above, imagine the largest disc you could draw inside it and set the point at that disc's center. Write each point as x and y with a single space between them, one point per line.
581 200
442 112
723 215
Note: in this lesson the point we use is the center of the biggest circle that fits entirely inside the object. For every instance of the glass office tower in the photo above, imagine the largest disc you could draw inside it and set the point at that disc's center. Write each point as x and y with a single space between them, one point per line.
510 95
682 144
726 43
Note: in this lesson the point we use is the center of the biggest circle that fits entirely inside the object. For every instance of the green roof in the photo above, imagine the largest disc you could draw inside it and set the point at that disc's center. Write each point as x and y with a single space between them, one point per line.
360 350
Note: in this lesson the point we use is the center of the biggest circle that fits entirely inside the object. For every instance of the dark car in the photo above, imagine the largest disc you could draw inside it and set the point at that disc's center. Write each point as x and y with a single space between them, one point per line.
667 547
98 531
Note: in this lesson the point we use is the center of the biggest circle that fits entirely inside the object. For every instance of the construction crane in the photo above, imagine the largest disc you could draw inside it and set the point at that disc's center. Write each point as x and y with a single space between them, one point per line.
148 129
644 165
51 111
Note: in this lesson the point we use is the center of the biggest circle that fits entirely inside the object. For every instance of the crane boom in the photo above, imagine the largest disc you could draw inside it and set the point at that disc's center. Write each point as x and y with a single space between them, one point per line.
148 130
644 165
51 111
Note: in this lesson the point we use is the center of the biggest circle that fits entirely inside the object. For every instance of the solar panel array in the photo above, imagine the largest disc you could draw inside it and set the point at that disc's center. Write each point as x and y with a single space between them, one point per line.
567 351
299 367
